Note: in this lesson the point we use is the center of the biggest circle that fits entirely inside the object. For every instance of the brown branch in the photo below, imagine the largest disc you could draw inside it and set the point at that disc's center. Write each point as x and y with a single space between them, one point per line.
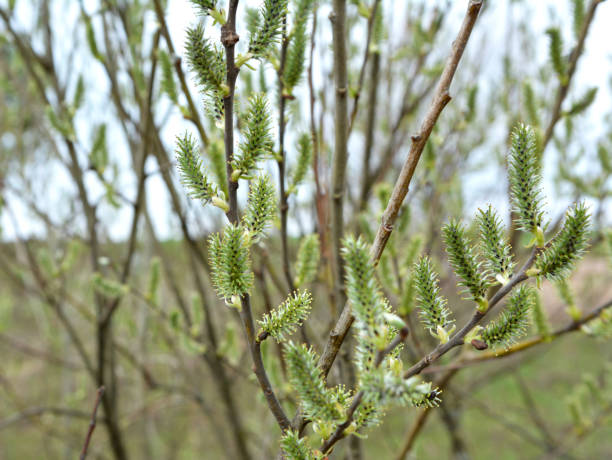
440 99
370 124
229 38
527 344
282 124
92 423
340 158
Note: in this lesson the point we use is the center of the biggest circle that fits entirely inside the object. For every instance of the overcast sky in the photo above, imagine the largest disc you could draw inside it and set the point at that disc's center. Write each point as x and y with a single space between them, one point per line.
595 69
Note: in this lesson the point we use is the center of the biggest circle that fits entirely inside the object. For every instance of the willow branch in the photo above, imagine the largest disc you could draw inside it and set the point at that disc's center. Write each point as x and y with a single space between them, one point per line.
458 338
526 344
440 99
229 38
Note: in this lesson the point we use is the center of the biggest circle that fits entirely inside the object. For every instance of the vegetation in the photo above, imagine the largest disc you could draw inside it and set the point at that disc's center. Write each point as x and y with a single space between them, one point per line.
260 244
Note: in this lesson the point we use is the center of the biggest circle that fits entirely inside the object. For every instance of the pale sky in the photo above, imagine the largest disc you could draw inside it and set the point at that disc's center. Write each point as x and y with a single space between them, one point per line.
595 69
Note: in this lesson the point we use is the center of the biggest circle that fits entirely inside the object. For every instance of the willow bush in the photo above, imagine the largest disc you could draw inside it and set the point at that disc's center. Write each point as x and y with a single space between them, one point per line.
300 262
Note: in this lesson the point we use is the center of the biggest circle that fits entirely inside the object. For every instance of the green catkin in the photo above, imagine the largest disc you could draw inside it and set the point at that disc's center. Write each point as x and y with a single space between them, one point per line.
258 142
168 85
267 34
307 263
283 320
153 285
261 206
583 102
538 317
555 51
295 447
529 101
525 177
216 153
566 294
432 306
107 287
294 63
205 5
192 172
208 63
513 321
304 156
462 259
577 16
494 245
206 60
305 377
362 288
567 246
230 261
98 156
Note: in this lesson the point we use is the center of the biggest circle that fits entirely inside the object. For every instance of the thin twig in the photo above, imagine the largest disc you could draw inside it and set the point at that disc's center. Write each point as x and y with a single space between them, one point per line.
364 64
571 69
92 423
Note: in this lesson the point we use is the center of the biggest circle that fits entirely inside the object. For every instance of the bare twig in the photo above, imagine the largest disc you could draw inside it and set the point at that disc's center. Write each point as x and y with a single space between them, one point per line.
92 423
366 55
338 20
